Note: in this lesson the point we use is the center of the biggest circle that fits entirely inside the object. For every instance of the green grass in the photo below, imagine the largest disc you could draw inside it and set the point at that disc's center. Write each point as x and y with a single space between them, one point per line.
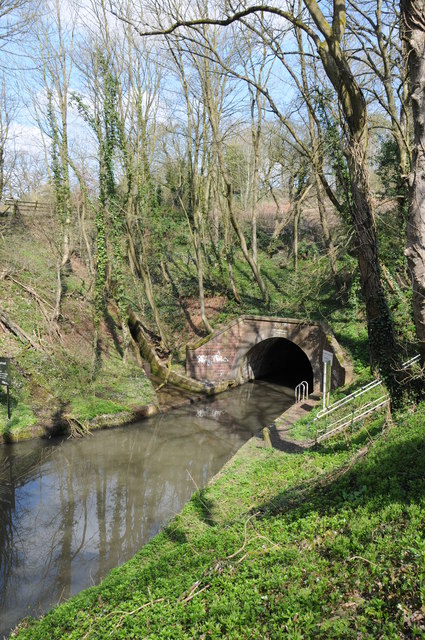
21 418
117 388
325 544
86 408
312 426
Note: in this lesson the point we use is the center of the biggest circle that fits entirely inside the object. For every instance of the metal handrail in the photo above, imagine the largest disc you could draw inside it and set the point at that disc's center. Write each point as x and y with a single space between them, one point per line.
301 391
408 363
354 414
367 387
357 412
352 396
353 419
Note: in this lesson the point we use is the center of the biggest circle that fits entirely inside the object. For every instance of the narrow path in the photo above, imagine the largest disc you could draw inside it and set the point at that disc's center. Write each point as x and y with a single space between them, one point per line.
279 430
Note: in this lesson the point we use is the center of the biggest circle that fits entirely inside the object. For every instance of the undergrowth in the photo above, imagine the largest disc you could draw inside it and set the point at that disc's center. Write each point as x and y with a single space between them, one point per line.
52 368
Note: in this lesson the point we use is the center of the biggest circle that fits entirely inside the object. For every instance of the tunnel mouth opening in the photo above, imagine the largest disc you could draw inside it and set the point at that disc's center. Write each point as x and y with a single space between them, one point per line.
279 361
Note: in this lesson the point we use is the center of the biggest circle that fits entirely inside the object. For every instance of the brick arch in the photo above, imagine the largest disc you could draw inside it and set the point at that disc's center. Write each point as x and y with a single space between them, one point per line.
221 356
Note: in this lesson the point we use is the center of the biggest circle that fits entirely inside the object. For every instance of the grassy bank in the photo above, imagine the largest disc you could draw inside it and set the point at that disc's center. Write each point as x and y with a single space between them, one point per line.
322 544
53 385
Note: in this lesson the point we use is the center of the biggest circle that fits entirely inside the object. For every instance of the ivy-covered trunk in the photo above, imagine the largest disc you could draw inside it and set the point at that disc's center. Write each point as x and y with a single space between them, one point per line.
382 344
413 12
62 193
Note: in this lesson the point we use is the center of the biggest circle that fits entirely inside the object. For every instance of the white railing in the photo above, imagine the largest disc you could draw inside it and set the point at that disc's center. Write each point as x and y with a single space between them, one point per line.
349 419
301 391
347 399
359 392
355 412
408 363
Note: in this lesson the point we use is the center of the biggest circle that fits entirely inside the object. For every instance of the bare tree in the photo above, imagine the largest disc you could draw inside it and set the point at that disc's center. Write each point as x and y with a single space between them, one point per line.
15 18
376 27
255 62
7 112
198 159
326 32
53 55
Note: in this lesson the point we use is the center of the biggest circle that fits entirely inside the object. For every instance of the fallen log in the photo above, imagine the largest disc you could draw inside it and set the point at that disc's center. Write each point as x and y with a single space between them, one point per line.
17 331
41 302
162 369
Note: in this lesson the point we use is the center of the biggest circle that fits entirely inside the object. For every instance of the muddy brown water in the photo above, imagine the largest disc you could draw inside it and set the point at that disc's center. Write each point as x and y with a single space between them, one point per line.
70 510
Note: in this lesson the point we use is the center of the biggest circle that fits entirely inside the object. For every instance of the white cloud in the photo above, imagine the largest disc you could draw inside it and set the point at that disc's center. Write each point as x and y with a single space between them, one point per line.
25 137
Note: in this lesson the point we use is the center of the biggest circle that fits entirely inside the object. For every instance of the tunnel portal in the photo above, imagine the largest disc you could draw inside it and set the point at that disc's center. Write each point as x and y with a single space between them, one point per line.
286 349
280 361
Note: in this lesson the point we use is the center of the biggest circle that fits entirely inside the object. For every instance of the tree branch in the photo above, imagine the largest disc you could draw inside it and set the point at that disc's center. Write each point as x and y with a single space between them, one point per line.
222 22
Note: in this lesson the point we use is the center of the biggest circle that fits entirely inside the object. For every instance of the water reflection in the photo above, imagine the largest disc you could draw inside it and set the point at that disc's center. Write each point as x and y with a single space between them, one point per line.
71 510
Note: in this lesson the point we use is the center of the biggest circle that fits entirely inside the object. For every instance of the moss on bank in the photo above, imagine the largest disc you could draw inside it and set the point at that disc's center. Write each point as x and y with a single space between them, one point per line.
324 544
121 394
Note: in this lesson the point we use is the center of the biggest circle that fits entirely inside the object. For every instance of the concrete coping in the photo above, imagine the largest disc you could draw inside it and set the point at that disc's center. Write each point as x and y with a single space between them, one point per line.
252 318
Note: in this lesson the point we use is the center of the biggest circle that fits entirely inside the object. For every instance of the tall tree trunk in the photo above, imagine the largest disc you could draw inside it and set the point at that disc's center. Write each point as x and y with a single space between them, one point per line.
242 241
327 238
413 13
228 192
139 264
297 216
382 344
317 156
195 234
200 269
82 212
255 139
227 242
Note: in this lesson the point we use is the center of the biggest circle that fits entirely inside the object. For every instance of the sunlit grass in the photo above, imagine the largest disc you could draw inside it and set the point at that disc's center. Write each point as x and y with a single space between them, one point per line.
324 544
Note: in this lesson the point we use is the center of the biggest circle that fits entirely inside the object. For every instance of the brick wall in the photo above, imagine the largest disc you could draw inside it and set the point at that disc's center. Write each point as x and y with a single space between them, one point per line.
224 355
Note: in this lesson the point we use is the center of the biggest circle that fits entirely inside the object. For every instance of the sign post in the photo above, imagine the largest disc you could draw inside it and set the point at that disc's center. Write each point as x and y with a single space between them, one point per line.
5 379
327 359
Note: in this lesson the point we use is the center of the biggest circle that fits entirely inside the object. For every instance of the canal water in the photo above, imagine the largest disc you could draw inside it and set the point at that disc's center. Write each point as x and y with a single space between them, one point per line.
70 510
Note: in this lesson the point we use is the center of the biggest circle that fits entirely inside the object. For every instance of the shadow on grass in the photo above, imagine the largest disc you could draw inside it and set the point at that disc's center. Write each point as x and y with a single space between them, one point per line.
175 534
112 327
357 345
203 507
282 442
273 281
58 425
395 472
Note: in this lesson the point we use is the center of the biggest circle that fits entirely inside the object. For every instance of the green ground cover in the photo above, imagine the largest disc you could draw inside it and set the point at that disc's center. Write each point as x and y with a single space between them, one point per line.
365 394
51 386
323 544
52 375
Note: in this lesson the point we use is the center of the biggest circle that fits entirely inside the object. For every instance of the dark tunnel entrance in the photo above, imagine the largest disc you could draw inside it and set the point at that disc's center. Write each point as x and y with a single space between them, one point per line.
280 361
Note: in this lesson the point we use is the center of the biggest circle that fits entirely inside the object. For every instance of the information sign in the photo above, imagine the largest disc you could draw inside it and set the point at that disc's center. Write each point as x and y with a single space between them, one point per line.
4 371
5 379
327 356
327 359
